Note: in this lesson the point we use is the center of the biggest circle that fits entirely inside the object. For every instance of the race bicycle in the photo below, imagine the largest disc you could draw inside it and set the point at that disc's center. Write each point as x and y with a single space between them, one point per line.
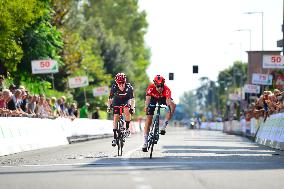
121 133
154 130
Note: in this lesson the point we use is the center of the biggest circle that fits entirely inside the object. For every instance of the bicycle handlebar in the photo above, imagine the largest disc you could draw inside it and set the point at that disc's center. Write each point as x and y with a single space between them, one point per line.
158 105
123 106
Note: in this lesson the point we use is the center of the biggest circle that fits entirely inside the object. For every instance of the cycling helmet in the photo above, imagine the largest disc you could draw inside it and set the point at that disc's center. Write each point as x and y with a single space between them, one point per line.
159 80
120 78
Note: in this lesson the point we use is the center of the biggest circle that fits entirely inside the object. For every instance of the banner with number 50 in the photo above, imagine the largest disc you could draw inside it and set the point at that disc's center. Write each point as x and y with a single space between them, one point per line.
273 61
44 66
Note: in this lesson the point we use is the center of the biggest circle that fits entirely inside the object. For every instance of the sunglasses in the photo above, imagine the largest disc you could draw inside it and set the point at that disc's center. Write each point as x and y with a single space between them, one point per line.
160 86
120 83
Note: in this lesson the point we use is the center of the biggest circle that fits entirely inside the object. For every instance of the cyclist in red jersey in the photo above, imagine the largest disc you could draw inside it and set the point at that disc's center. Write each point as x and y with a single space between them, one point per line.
157 92
121 94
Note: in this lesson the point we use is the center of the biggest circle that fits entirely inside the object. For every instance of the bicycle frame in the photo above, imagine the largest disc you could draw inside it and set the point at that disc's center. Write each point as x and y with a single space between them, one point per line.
120 130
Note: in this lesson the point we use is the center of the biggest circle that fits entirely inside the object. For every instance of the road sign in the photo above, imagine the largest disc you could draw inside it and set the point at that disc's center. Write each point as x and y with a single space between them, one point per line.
273 61
80 81
44 66
100 91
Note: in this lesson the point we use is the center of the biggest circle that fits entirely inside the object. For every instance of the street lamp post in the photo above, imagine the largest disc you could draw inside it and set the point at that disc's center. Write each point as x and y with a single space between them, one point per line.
261 25
249 30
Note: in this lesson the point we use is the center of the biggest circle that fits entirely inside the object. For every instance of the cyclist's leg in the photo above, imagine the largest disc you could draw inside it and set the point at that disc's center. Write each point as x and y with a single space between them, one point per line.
115 120
127 117
172 106
148 122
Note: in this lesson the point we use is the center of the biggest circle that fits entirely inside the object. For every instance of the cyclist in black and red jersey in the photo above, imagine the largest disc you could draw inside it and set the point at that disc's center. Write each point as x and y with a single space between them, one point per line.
121 93
157 92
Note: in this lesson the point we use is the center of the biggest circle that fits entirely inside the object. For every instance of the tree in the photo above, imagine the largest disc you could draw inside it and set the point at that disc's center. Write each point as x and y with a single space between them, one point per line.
189 102
15 17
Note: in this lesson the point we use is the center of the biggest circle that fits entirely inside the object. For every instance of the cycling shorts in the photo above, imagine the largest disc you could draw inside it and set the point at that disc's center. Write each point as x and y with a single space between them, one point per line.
119 102
154 101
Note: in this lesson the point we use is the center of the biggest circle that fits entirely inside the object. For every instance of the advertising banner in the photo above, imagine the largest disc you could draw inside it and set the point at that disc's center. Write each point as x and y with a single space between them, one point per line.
44 66
248 88
80 81
273 61
262 79
100 91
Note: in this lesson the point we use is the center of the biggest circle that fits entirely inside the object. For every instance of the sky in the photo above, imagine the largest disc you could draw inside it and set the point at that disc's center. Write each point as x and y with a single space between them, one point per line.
183 33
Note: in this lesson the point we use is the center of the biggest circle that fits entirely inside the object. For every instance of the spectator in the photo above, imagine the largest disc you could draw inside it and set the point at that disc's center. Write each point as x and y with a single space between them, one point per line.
63 106
96 114
12 88
276 98
14 103
24 101
58 107
32 99
54 107
47 107
40 107
6 96
84 111
2 101
73 111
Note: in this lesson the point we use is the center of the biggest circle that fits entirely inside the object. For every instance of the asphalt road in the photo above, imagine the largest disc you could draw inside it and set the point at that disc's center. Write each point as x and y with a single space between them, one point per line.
182 159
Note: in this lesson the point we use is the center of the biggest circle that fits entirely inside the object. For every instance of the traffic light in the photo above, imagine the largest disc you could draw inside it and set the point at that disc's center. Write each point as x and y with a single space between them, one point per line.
195 69
171 76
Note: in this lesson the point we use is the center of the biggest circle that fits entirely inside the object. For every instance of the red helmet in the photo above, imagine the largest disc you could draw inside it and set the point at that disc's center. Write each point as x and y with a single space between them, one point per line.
120 78
159 80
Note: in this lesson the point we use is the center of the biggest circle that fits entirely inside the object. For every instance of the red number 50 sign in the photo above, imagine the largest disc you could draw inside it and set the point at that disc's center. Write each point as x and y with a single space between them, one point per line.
276 59
45 64
273 61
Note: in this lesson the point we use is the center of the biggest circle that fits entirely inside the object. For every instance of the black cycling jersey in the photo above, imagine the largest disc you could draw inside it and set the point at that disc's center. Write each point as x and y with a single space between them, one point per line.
121 97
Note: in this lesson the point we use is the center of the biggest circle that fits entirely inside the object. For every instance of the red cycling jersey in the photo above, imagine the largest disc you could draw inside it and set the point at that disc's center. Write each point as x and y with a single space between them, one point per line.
152 91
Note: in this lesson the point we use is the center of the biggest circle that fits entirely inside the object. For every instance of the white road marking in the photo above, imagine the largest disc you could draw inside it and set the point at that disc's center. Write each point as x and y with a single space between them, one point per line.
152 163
144 187
138 179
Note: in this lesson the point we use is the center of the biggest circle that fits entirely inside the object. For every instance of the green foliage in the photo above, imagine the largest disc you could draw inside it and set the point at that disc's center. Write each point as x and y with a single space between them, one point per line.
119 29
15 17
97 39
212 96
189 103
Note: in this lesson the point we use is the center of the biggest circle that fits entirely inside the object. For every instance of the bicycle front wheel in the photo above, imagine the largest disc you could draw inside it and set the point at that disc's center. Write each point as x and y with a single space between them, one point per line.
151 146
121 145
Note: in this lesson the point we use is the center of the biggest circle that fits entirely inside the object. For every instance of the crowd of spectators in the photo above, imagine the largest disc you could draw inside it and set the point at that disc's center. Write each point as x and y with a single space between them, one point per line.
268 103
16 101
